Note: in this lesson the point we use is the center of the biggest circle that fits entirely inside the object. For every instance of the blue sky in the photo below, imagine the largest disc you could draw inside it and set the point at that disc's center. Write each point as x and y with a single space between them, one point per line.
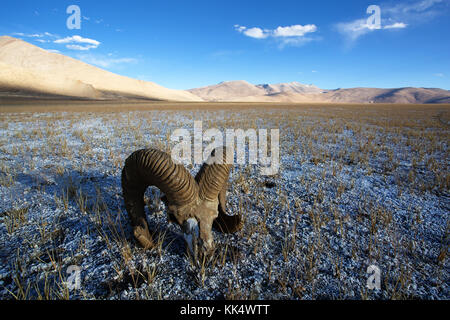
188 44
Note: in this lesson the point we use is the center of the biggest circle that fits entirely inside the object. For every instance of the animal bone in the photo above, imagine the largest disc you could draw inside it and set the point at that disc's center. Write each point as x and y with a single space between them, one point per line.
197 205
191 233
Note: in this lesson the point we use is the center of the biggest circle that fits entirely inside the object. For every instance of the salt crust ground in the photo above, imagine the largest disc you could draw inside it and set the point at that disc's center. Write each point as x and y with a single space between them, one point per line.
352 191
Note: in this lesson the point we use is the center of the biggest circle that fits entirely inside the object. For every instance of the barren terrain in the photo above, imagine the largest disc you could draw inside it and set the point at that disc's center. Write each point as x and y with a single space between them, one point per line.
230 91
26 67
359 185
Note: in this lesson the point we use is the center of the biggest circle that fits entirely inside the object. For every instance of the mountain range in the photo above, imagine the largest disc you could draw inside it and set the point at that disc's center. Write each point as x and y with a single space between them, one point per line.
234 91
29 71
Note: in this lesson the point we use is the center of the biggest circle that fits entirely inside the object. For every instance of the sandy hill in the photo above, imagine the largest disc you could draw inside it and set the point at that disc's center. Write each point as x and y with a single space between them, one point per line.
296 92
414 95
396 95
240 90
228 90
27 68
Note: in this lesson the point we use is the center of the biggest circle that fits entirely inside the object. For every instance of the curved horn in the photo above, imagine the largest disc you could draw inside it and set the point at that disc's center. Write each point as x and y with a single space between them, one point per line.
212 176
151 167
212 180
225 223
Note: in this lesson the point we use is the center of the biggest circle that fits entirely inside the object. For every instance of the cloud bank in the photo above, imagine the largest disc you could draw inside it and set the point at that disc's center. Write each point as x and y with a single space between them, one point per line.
78 43
104 61
289 35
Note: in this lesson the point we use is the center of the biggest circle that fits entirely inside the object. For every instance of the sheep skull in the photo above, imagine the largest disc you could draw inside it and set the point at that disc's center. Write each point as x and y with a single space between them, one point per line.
196 204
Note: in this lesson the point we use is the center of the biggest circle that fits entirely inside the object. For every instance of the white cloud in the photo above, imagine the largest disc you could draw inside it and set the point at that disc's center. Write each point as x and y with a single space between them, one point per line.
38 36
105 61
48 34
398 16
34 35
396 25
257 33
440 75
357 28
425 4
53 51
354 29
80 47
294 31
77 39
239 28
78 43
412 8
289 35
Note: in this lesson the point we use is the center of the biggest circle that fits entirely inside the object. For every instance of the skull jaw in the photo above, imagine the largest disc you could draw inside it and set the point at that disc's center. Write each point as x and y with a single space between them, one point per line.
196 222
193 237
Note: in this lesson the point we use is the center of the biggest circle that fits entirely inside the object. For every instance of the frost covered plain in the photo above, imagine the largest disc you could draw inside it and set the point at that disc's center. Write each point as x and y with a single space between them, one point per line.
358 185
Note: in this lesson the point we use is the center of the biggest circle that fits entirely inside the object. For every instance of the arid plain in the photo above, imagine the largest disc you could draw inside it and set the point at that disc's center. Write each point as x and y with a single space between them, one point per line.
359 185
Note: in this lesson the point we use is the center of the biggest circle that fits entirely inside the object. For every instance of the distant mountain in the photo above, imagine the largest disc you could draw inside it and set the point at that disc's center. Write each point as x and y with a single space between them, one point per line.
398 95
30 70
241 90
297 92
228 90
